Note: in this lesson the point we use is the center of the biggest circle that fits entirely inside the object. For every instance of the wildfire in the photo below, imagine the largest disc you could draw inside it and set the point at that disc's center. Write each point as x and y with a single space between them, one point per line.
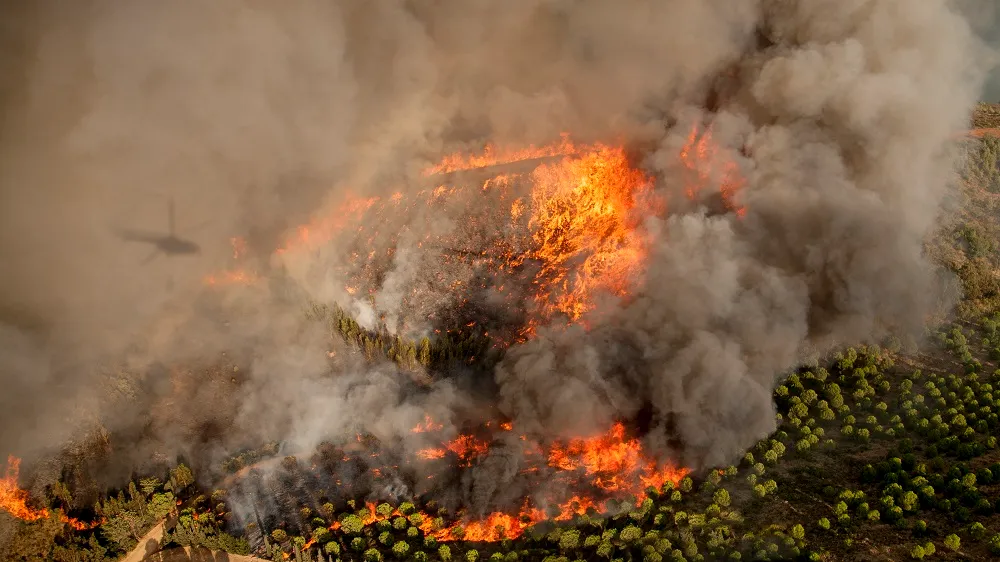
586 207
704 162
493 156
573 222
14 500
611 463
324 228
230 277
464 447
427 425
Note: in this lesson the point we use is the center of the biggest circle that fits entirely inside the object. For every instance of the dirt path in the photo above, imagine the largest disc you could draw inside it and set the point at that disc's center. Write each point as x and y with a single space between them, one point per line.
148 550
147 545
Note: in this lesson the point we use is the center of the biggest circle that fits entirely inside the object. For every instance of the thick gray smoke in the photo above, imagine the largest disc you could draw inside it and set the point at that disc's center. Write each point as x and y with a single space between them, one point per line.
251 117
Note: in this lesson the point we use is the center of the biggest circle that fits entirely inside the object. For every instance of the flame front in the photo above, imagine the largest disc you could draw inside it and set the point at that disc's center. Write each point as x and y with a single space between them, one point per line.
611 464
14 500
571 219
574 221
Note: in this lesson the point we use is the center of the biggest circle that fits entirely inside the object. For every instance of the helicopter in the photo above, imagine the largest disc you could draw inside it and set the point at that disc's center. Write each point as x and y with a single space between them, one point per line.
168 244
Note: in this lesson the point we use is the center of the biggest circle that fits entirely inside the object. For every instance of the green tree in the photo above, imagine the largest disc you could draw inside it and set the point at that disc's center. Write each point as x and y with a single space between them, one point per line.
150 485
400 549
798 532
352 524
994 544
630 534
180 478
952 542
161 504
424 352
721 497
569 540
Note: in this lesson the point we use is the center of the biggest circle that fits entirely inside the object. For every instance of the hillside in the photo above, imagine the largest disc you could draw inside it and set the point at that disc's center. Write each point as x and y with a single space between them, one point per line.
882 453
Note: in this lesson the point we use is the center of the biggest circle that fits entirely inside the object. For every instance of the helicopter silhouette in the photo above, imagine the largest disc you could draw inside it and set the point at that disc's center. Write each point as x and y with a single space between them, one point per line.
168 244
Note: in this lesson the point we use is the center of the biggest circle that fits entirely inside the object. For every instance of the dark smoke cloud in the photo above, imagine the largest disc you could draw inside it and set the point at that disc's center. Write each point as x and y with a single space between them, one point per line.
250 116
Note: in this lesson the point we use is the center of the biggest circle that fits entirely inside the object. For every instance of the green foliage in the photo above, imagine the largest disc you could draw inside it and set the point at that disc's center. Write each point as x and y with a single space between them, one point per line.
352 524
994 544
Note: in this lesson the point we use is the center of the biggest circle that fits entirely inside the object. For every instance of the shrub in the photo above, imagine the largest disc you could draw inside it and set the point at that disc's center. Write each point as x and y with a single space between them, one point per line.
569 540
798 532
631 533
917 552
952 542
352 524
721 497
400 549
994 544
977 531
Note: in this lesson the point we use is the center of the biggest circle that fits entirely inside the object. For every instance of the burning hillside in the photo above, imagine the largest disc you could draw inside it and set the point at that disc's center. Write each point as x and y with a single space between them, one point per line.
546 232
744 187
582 476
14 500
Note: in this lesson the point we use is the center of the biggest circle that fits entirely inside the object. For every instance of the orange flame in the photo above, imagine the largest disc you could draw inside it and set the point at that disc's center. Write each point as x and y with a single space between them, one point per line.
427 425
464 447
586 207
610 462
703 160
493 156
14 500
230 277
322 229
431 454
581 221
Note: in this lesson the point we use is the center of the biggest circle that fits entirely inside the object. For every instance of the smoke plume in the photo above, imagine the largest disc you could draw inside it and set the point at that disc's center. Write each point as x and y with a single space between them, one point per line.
249 117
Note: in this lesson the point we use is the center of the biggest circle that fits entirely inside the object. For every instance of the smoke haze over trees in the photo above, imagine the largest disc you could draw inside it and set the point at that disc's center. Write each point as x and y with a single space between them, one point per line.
253 116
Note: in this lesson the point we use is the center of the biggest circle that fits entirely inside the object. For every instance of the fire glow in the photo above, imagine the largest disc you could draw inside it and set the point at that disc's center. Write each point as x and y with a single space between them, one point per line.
598 469
572 219
572 216
14 500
